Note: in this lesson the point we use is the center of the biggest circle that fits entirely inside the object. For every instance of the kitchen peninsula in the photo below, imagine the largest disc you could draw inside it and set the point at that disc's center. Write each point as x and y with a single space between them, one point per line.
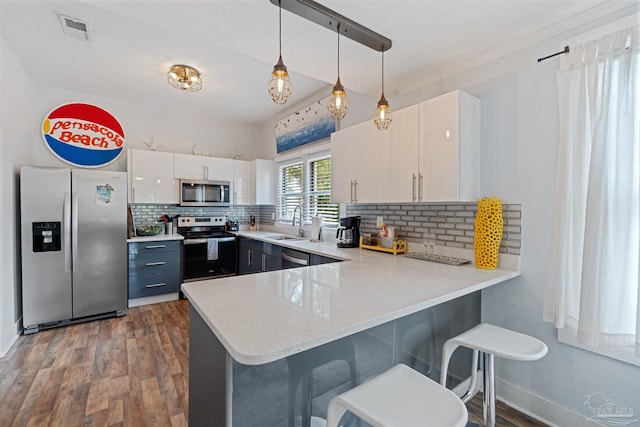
251 327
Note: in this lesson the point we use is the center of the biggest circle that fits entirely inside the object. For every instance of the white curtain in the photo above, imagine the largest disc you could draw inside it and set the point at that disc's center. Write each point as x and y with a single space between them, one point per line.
595 275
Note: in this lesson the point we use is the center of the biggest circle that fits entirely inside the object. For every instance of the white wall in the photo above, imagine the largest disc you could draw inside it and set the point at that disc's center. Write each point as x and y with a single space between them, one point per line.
519 145
17 93
173 131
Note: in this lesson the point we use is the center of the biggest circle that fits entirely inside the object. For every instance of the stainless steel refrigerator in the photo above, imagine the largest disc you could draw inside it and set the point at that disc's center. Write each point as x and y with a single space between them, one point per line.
74 245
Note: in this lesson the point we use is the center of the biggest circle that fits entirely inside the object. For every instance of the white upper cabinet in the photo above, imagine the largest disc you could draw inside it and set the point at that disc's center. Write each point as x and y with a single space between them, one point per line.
219 169
203 168
430 153
371 160
151 177
243 193
359 157
254 182
449 148
403 155
343 143
190 167
263 181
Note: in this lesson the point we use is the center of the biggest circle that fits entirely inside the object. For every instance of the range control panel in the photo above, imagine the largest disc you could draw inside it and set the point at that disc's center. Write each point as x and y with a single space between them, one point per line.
195 221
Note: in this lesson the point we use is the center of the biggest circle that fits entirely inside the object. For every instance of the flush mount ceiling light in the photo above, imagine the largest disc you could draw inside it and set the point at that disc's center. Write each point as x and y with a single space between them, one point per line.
279 83
184 78
382 117
338 104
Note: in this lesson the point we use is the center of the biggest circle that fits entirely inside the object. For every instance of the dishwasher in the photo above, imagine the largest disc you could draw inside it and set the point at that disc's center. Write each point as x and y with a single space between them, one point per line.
292 258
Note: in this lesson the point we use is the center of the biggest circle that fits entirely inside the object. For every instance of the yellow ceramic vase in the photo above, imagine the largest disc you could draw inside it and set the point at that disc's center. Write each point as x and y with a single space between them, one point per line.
488 232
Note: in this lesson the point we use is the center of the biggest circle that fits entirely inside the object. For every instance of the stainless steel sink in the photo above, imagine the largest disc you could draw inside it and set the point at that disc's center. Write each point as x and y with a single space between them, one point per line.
283 237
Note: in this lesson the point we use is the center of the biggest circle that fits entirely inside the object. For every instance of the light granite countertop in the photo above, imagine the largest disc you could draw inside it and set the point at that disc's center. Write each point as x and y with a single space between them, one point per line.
264 317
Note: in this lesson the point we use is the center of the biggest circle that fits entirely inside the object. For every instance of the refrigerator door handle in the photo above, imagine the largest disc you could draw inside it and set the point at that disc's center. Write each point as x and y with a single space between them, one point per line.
66 218
74 232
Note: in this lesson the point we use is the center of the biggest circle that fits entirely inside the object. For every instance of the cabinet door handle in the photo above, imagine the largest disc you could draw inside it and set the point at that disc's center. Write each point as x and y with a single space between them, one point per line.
419 187
155 285
264 262
155 263
133 195
413 187
155 246
351 193
250 256
355 193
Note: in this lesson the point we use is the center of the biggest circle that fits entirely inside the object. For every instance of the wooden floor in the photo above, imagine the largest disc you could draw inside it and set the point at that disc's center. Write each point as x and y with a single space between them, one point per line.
129 371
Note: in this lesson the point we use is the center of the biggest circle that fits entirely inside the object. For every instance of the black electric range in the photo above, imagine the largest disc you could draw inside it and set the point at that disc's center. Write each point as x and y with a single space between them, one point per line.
209 250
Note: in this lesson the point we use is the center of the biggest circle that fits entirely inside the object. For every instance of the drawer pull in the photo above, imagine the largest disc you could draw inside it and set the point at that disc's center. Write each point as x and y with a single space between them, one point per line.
155 285
155 263
156 246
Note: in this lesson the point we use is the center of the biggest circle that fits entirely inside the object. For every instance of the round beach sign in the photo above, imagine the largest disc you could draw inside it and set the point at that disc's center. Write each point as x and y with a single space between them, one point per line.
83 135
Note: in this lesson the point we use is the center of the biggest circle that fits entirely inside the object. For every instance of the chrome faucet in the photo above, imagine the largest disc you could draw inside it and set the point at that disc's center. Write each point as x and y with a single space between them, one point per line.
300 231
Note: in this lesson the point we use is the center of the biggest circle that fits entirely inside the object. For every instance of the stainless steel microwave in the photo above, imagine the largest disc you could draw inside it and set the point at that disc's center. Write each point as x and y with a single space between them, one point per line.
205 193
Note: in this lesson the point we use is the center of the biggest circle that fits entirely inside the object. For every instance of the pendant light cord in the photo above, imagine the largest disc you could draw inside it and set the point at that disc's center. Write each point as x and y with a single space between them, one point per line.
280 27
383 73
338 50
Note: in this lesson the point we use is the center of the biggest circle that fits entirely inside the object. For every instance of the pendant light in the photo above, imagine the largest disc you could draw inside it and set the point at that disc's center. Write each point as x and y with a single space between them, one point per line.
279 83
338 104
382 117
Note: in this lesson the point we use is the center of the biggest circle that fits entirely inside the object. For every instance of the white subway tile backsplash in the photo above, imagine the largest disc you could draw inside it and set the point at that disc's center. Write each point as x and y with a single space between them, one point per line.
452 223
146 214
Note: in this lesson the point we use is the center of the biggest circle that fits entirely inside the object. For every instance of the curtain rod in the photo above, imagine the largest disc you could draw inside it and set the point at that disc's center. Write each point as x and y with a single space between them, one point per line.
566 50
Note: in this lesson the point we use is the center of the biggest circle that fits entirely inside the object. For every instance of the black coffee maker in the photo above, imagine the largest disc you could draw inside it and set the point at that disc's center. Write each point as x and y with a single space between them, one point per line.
349 232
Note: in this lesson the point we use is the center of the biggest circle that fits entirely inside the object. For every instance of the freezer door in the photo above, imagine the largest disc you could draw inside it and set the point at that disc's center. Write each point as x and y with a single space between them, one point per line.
99 211
46 269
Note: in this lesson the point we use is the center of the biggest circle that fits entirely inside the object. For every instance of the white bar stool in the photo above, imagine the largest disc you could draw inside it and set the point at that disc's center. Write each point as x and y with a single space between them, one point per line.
490 341
400 397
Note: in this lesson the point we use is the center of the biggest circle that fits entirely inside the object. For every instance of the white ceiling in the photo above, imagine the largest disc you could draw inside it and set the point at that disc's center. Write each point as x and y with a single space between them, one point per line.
234 43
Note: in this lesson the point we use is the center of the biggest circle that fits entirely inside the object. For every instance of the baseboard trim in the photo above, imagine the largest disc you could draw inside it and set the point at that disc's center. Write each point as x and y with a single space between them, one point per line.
9 337
137 302
531 404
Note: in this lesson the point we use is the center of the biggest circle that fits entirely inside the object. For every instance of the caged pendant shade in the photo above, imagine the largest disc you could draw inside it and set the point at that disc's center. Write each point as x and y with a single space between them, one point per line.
338 104
382 117
279 83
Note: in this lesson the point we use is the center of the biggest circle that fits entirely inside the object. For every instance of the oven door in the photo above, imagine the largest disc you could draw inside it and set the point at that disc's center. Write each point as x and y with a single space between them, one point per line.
206 258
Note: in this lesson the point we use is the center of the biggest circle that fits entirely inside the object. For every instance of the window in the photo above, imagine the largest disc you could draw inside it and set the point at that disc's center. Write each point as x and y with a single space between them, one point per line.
307 183
594 287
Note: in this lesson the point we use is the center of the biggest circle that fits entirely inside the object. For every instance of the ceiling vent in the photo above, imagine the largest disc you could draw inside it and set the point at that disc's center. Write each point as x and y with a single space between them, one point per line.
74 27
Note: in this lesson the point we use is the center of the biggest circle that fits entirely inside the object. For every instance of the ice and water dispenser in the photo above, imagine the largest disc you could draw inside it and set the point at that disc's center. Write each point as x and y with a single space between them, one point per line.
46 236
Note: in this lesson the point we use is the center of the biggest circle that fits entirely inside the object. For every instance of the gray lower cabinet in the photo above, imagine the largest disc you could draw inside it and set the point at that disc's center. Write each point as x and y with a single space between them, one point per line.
271 258
255 256
319 259
155 268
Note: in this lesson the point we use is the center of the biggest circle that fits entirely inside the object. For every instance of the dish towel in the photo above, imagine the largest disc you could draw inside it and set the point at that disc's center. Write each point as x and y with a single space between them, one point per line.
212 249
